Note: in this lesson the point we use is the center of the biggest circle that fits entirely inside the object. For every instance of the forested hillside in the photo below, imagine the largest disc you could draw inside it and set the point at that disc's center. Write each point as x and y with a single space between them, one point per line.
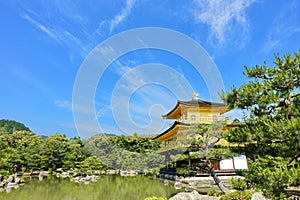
9 126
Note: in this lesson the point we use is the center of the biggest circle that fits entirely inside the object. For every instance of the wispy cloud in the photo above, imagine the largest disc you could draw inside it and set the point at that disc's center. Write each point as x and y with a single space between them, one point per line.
69 24
120 68
103 111
122 15
117 19
31 79
283 27
222 16
41 27
143 94
73 107
63 104
60 34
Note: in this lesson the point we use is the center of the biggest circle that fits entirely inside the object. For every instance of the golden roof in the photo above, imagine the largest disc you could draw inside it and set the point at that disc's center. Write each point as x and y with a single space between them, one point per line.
195 105
172 131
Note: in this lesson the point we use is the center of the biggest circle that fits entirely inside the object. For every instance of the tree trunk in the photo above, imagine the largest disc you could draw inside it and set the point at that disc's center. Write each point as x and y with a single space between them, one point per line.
224 189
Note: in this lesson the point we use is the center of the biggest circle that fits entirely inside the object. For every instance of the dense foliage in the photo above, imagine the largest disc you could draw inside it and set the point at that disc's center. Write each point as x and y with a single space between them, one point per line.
125 152
272 131
30 152
135 143
238 184
237 195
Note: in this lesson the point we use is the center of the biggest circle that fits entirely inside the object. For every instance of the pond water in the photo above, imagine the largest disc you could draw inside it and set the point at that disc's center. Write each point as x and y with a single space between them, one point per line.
109 187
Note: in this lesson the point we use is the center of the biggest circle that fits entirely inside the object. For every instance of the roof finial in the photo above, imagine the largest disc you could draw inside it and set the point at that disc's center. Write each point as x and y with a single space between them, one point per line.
195 96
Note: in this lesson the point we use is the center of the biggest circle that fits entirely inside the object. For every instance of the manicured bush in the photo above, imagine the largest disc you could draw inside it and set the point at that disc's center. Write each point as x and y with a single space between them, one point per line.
237 195
238 183
214 193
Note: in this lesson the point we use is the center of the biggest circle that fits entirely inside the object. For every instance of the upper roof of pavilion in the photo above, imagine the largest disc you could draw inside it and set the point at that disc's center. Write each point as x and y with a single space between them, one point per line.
195 104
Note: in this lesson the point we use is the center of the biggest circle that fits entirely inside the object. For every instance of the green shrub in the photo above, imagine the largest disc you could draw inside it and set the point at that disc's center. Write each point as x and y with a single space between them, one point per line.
183 170
237 195
4 173
214 193
155 198
238 183
273 181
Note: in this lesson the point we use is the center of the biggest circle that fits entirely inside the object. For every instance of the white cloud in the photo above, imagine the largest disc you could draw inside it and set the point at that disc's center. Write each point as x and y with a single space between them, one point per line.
121 69
64 37
117 19
103 111
76 39
284 26
29 78
63 104
143 94
122 15
43 28
73 107
222 16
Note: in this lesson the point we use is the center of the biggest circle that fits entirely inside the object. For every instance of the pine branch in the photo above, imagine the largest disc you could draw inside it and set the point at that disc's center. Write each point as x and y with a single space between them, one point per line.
213 143
296 95
294 158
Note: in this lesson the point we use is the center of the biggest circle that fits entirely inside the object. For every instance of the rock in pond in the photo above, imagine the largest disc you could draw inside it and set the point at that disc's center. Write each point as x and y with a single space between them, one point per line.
11 179
64 174
166 182
178 185
257 196
192 196
186 196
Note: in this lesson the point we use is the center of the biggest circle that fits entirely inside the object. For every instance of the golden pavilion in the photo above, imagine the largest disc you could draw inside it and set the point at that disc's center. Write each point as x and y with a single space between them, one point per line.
187 112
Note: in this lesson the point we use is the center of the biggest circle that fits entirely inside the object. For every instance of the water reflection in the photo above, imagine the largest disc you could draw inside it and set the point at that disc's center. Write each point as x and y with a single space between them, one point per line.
110 187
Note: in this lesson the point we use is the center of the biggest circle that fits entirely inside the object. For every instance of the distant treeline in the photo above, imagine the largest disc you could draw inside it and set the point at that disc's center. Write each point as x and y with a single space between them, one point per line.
21 148
9 126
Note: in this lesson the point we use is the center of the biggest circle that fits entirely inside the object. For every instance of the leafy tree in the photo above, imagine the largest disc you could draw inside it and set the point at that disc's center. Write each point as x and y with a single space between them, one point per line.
19 146
28 148
90 164
272 131
75 154
135 143
105 150
8 157
22 146
54 151
124 152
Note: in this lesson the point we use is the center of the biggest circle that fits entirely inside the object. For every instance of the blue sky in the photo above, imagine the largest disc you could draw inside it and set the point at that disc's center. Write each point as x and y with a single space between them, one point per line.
44 43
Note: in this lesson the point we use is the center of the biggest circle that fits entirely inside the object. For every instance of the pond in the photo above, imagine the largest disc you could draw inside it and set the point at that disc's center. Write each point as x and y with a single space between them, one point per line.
109 187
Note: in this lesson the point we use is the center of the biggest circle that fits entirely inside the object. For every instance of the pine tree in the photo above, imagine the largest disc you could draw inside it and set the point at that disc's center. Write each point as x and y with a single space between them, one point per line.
272 131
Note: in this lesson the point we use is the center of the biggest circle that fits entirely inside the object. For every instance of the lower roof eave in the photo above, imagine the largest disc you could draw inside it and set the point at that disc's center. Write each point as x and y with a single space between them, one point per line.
174 125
